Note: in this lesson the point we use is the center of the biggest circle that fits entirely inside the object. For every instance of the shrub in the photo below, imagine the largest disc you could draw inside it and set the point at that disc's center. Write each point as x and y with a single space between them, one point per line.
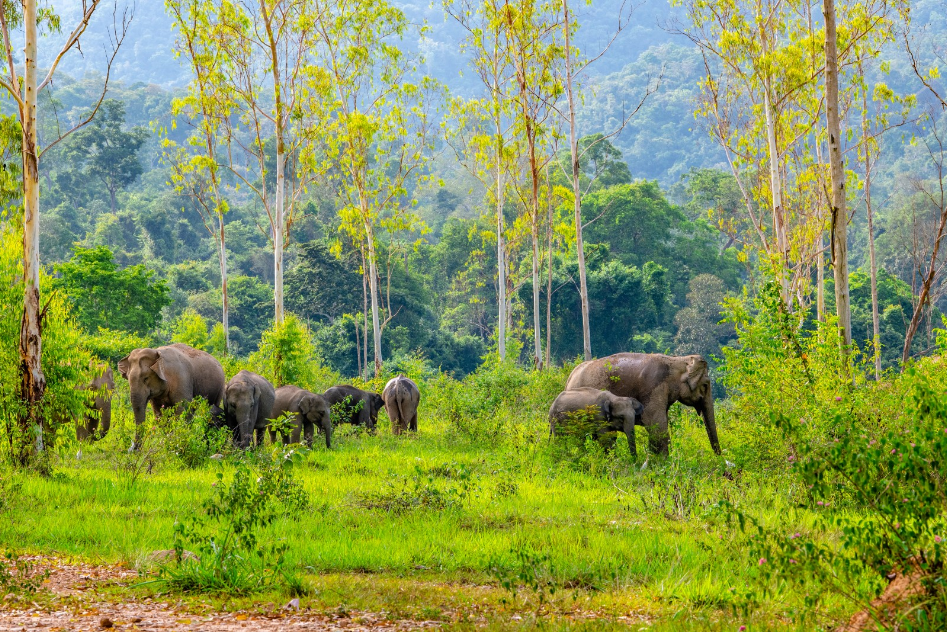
190 328
232 558
287 356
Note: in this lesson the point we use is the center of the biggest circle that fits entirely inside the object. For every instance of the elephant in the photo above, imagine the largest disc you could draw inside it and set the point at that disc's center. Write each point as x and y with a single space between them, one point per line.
99 418
170 376
657 381
346 398
401 396
617 413
312 411
248 402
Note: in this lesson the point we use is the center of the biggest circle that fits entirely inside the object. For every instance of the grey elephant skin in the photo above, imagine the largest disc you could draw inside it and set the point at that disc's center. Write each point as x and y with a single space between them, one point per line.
312 411
169 376
402 397
616 413
657 381
345 399
99 418
248 402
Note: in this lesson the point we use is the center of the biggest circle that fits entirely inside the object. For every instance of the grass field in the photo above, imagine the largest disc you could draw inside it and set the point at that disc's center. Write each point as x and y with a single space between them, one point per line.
431 526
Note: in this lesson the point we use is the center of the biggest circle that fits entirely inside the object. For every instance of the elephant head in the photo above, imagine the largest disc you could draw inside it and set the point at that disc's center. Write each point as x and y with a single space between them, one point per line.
146 379
695 390
376 403
315 410
619 409
241 406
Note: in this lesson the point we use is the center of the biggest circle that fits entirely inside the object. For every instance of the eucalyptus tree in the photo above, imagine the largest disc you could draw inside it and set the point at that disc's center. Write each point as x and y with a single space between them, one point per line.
23 90
533 35
481 130
265 61
195 171
375 125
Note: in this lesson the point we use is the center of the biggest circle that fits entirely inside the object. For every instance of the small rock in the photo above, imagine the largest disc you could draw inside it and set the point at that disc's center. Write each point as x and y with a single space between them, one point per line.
167 555
105 622
217 456
292 605
136 620
9 597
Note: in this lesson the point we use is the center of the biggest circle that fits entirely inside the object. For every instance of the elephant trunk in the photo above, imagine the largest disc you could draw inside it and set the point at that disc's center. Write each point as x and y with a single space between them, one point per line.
327 428
707 410
139 400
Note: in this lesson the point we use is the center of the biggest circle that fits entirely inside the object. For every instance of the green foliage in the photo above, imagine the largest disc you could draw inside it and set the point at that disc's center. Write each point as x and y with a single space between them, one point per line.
18 577
102 295
191 329
287 356
435 489
226 535
106 152
881 485
110 346
188 436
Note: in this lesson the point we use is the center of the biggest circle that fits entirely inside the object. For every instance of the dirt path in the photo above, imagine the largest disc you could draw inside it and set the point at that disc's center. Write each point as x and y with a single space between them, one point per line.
71 600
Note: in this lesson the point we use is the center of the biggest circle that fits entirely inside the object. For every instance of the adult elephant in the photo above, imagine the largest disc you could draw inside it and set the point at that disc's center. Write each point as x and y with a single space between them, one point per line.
402 398
354 406
248 402
311 410
615 413
657 381
169 376
99 418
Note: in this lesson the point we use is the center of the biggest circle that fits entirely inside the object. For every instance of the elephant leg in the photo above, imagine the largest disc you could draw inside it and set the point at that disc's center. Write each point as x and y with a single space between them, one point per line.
414 422
308 432
655 420
272 434
629 430
106 418
260 433
82 430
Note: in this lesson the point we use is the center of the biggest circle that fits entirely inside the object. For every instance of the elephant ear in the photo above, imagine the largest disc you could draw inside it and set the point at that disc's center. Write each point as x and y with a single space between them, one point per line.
123 367
605 405
696 372
158 368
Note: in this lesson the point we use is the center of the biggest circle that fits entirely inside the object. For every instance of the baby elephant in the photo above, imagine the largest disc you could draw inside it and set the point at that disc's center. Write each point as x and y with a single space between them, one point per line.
617 413
312 411
248 401
99 417
402 397
354 406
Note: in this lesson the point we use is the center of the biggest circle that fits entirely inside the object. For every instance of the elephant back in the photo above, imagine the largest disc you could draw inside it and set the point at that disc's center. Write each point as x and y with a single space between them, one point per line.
625 374
205 372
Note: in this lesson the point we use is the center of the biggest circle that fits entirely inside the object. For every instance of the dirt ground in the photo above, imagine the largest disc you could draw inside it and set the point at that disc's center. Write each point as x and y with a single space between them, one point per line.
71 600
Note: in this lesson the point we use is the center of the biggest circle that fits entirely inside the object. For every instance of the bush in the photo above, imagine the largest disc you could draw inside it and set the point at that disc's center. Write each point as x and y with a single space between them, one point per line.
232 559
287 355
191 329
882 488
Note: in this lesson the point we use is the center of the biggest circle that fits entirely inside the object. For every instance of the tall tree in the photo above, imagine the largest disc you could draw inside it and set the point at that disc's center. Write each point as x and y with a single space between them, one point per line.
268 68
573 70
196 172
532 30
838 203
482 136
108 152
376 124
24 91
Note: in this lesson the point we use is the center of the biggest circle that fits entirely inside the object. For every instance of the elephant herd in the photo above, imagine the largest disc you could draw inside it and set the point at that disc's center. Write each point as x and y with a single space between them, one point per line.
621 391
170 376
628 389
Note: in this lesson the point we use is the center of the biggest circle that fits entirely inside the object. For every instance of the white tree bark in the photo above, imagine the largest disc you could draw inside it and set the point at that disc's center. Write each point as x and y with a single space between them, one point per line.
373 281
278 227
225 318
838 206
776 187
31 372
501 252
576 189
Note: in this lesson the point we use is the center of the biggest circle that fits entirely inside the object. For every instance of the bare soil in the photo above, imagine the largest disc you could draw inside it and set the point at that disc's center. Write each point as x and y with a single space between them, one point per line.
72 598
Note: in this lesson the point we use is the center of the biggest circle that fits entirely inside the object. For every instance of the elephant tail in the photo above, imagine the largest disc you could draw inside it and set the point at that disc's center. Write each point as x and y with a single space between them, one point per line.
401 395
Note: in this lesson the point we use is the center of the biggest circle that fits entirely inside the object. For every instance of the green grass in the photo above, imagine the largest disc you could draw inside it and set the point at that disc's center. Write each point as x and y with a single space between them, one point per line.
612 539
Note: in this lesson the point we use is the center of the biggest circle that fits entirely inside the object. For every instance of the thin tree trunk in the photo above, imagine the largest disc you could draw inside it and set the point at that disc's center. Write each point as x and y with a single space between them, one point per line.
534 226
358 347
278 236
501 254
364 317
820 277
33 381
776 189
875 319
223 286
839 212
549 254
926 284
576 191
373 283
